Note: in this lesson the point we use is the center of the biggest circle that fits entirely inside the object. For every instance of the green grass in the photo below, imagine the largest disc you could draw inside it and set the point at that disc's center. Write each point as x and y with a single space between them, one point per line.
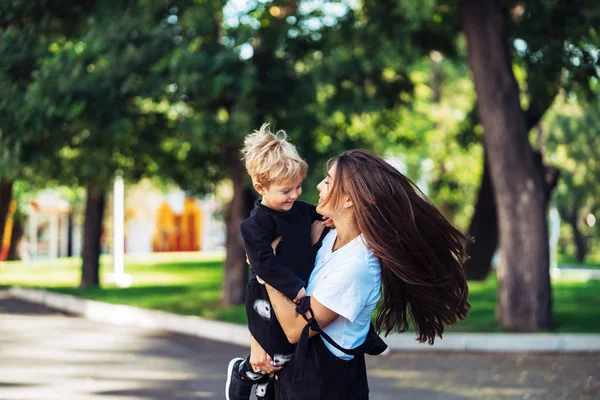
187 284
190 284
590 261
576 307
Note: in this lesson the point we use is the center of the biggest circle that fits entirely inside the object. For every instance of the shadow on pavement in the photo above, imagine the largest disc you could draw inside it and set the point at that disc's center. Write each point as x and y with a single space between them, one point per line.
49 355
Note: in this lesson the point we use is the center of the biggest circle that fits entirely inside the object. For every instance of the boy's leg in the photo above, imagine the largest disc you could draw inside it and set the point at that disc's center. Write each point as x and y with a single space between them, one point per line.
264 388
240 378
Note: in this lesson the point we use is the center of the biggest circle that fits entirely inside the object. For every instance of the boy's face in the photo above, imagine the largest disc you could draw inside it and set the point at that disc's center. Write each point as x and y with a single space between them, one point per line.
280 197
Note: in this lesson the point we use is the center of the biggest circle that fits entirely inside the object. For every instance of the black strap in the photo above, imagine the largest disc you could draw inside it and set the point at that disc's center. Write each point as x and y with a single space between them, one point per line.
372 345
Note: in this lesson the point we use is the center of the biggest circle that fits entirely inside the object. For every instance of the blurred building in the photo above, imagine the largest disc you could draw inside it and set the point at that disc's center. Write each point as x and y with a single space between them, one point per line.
155 221
48 223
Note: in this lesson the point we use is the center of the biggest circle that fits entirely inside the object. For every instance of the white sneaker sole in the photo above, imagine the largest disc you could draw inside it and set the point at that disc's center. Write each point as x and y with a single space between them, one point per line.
229 373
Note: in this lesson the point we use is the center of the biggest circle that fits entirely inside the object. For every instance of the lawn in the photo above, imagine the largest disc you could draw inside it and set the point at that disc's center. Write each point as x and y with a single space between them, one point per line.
190 284
568 260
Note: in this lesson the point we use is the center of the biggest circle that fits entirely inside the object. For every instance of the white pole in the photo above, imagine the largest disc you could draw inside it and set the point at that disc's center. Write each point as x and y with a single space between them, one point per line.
54 236
64 235
33 231
118 226
554 235
118 276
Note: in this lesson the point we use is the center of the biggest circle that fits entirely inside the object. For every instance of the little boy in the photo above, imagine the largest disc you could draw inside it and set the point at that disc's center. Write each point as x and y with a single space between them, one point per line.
277 172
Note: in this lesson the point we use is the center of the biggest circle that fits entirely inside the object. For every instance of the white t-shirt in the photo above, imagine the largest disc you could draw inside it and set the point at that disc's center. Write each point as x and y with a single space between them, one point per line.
348 282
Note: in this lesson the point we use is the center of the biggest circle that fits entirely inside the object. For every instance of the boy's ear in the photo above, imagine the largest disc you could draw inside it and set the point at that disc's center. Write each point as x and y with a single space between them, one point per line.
260 189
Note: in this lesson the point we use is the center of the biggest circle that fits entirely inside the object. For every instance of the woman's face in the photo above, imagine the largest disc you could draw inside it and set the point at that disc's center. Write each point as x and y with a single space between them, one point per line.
324 188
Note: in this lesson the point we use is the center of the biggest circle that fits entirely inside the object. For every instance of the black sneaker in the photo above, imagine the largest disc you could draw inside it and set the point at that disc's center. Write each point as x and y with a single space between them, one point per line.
236 388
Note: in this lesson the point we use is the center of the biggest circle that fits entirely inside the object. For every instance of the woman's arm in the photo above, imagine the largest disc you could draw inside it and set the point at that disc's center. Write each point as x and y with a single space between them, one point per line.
292 322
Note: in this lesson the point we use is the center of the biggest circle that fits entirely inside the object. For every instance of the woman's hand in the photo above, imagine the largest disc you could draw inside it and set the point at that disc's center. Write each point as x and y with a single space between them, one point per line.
316 231
275 243
260 361
328 223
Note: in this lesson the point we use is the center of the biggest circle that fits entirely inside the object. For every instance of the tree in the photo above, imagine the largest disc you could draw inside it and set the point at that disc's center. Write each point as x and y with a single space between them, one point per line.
26 31
91 92
544 63
573 132
523 277
263 62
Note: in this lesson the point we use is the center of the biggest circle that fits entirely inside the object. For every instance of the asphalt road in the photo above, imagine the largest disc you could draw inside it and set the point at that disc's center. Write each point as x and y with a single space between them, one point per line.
49 355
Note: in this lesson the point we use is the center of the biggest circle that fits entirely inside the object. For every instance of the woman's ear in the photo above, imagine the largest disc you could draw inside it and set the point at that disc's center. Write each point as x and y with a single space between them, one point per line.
348 203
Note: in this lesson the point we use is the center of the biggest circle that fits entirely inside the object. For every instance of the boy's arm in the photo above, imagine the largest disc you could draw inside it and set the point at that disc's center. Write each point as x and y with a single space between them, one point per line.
257 233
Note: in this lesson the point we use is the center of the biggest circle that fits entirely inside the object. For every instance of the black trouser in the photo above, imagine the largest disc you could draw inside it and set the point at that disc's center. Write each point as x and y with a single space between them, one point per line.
263 324
265 328
325 377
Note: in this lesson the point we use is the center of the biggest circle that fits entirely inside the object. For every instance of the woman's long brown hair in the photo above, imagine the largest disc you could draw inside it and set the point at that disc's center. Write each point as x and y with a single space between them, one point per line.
422 255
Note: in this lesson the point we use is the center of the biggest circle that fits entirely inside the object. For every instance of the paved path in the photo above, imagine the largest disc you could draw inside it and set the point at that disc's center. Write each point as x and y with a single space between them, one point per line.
49 355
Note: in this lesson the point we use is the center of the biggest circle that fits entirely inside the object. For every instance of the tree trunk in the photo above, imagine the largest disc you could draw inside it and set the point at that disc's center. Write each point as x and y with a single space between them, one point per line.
524 296
484 224
18 230
70 235
236 268
486 233
92 231
437 80
483 229
580 242
6 186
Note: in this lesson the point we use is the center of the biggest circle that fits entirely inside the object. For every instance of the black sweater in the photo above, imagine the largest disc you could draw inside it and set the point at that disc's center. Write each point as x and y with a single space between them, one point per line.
289 270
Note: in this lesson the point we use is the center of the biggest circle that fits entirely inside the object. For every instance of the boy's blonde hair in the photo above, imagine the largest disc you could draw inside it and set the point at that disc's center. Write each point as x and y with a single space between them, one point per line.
270 158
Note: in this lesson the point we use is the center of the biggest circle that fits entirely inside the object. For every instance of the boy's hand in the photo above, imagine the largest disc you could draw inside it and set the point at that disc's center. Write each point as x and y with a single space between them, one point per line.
328 223
301 294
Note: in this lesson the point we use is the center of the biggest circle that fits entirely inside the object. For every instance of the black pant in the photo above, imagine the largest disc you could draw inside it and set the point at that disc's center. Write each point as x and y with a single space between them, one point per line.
263 324
325 377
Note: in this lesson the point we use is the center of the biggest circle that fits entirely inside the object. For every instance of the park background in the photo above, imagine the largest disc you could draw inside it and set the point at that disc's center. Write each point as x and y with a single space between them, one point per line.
492 107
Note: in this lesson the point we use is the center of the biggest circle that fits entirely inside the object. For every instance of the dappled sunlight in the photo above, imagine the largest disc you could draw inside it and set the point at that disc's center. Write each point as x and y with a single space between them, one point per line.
445 382
487 376
53 356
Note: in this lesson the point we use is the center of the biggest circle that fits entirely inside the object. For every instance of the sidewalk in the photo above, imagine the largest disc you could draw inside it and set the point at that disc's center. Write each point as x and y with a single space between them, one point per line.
49 355
238 334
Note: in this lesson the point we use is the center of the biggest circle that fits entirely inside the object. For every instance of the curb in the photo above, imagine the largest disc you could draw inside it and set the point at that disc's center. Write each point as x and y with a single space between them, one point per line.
237 334
117 314
584 274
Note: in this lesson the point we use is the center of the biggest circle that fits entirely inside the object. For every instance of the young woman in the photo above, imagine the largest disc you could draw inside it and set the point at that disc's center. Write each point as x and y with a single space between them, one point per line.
389 242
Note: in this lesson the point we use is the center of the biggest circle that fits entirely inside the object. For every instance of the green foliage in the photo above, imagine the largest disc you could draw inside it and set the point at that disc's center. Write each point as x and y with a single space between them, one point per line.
86 93
426 139
28 33
314 72
556 42
574 147
149 88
